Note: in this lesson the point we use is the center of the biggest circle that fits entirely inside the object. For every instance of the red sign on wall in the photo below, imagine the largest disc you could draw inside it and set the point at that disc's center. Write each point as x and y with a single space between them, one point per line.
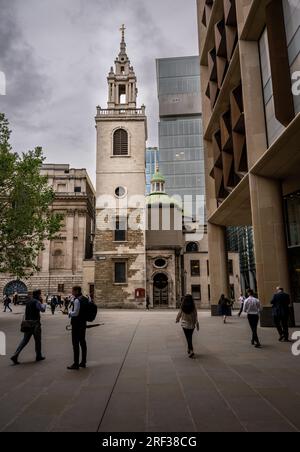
140 293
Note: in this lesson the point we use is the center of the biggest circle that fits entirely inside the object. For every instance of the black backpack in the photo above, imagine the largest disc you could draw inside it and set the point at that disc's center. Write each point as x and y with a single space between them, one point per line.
88 310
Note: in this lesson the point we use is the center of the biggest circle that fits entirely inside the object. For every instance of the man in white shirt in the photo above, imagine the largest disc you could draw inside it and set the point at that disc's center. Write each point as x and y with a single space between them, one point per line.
252 309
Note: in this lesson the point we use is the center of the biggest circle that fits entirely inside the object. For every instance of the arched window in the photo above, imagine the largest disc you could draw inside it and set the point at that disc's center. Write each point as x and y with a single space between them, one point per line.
15 287
120 144
192 247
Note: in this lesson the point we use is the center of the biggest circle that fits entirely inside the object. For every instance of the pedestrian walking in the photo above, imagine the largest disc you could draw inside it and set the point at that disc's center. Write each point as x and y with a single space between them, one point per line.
66 305
242 302
77 315
7 302
15 299
148 303
189 321
280 310
59 301
53 305
224 304
31 326
252 309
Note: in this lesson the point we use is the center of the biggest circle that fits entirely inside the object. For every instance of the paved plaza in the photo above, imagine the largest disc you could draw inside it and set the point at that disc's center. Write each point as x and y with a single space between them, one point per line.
139 378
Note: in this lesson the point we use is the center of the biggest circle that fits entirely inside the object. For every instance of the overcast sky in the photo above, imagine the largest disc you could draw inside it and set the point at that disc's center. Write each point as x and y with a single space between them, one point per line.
56 55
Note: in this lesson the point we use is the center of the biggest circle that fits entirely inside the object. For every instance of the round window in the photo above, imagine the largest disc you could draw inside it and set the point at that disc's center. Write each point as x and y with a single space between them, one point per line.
120 192
160 263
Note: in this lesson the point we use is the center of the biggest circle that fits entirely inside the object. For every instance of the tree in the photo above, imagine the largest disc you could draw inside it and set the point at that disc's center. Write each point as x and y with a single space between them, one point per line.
26 217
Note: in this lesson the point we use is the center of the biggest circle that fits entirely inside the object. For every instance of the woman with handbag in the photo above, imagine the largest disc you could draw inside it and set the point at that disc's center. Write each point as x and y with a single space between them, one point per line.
31 326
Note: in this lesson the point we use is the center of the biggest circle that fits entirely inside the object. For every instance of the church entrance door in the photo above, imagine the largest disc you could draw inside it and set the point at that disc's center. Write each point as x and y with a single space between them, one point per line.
161 290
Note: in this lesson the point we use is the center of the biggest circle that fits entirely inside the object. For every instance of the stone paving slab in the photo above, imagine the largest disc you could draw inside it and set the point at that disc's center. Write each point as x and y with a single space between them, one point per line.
140 379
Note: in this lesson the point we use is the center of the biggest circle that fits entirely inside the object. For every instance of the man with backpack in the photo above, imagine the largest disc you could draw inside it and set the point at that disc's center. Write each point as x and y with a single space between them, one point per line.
81 312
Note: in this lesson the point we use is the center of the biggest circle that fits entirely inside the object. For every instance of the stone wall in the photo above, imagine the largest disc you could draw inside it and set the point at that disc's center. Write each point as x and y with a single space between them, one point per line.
48 284
107 252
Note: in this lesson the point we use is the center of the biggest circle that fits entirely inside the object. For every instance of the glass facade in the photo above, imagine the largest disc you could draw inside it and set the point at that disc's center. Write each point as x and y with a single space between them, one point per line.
292 214
152 158
274 127
179 76
292 203
240 240
181 135
291 10
181 155
293 219
292 25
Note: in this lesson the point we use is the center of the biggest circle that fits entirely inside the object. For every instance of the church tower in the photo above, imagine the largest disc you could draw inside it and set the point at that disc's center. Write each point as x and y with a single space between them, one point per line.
120 250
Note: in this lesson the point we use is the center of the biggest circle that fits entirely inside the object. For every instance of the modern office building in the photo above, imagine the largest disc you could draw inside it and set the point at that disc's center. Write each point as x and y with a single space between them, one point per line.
152 160
250 62
180 128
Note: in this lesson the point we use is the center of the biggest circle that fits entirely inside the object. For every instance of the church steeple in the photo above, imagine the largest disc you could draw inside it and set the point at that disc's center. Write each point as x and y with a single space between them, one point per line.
122 80
158 182
123 43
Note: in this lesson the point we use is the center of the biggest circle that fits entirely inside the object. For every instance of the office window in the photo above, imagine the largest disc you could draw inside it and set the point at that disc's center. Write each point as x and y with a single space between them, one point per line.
77 189
292 24
274 128
120 272
207 265
195 268
121 230
209 296
196 292
293 220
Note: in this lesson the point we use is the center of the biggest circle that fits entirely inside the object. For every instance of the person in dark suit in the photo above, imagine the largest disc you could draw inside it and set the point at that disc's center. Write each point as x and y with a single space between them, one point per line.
224 307
77 315
281 310
33 313
7 302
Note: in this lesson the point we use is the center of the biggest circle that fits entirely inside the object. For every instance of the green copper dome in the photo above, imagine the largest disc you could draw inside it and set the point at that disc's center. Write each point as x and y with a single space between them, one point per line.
158 177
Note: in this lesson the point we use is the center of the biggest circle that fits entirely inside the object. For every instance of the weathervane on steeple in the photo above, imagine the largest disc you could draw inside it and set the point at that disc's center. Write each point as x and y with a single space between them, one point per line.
122 29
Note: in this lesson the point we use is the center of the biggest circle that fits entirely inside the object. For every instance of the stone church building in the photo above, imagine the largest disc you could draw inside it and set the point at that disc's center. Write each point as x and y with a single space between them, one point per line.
141 246
120 245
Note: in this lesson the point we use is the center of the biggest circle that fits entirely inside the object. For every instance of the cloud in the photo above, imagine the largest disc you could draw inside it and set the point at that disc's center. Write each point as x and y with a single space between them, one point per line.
26 85
56 56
